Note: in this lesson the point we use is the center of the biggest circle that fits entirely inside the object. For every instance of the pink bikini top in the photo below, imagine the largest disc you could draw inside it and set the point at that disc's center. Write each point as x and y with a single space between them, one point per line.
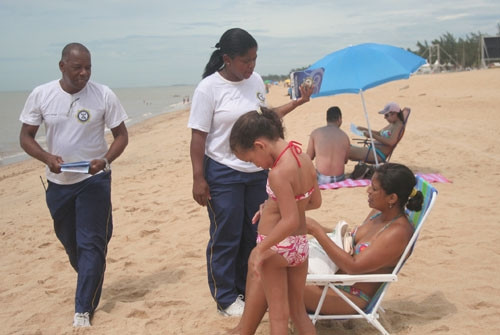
296 150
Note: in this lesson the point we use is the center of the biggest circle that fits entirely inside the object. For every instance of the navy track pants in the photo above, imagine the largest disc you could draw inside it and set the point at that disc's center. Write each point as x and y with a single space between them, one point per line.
83 223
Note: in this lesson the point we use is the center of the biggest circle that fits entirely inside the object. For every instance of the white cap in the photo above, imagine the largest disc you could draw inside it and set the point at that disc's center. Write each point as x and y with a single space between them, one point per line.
390 107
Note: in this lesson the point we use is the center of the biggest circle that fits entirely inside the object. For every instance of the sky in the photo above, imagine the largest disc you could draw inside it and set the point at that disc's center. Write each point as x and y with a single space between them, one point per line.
164 42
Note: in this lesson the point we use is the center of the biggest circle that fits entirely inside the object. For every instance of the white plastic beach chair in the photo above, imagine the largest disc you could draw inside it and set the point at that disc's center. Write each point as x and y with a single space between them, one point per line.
370 312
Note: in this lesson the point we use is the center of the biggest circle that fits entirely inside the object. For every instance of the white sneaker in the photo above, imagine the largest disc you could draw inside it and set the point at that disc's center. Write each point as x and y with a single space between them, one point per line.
81 320
235 309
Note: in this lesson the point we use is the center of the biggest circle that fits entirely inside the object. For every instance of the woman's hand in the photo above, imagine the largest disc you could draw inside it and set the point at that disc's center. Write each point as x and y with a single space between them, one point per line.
313 227
305 93
362 128
201 191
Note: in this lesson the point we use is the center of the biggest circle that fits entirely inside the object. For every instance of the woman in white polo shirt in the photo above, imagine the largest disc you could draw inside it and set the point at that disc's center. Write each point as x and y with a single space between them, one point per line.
231 189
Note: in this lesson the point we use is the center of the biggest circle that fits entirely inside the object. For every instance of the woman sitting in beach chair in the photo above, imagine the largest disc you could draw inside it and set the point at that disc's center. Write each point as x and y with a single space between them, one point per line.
376 245
386 139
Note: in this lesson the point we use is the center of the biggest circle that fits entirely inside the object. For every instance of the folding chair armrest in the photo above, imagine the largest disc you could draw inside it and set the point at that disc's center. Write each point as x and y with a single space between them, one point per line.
365 141
345 279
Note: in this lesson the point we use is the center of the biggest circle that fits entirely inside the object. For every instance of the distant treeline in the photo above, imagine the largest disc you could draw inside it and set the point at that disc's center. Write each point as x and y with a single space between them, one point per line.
281 77
458 53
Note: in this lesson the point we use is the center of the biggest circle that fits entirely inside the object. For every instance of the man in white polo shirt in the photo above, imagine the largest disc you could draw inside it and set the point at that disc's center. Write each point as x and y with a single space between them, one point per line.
75 112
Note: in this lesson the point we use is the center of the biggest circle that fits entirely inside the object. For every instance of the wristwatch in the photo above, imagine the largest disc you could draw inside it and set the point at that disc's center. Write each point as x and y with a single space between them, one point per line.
107 167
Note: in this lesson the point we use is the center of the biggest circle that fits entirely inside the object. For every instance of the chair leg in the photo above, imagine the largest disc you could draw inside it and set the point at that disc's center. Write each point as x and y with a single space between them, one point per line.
314 318
371 318
375 323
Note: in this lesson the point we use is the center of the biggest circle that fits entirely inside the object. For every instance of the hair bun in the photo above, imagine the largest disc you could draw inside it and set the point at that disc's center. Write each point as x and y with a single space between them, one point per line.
217 45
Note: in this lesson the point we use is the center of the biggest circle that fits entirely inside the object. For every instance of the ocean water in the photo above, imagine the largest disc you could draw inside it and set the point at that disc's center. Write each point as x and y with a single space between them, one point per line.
139 103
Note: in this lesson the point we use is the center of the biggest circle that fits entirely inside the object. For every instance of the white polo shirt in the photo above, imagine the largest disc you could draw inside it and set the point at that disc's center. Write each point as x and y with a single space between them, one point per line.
74 123
216 105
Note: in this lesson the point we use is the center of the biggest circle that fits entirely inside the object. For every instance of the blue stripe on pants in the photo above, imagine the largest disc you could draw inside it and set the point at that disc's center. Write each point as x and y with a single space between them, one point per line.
83 223
236 197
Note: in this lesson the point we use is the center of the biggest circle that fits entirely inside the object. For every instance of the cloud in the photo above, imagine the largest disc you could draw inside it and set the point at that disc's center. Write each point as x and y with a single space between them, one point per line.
452 17
154 42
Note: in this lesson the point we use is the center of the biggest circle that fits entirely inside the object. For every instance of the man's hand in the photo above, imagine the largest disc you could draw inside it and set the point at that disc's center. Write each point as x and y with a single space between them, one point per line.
97 165
54 163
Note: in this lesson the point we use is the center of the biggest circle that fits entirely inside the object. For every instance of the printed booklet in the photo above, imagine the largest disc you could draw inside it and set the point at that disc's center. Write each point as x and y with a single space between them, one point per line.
307 77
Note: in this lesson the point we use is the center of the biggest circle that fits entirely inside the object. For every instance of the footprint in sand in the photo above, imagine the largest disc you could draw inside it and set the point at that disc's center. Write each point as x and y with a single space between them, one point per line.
50 292
441 329
145 233
154 222
128 264
131 209
483 304
44 245
163 213
153 304
138 314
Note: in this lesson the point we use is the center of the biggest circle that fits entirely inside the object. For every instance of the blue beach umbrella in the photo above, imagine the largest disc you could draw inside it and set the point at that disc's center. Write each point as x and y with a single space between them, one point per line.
357 68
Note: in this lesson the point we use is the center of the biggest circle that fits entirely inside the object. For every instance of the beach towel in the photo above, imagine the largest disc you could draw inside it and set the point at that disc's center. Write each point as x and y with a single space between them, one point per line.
345 183
430 177
433 177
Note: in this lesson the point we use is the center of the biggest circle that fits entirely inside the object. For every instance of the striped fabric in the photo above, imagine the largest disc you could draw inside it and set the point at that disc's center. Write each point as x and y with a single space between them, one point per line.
430 177
426 189
433 177
345 183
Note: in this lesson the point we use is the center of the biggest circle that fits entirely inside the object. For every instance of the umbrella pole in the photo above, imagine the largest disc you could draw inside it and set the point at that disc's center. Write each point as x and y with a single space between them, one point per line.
369 128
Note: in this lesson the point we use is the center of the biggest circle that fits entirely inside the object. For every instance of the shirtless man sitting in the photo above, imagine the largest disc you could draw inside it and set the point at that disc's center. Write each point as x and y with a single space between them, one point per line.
330 146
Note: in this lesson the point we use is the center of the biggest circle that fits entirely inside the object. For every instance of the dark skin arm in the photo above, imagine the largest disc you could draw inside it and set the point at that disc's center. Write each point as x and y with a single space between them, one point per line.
120 141
201 191
305 95
32 148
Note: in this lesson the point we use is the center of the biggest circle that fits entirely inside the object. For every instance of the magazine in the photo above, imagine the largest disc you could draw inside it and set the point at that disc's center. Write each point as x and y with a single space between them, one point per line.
309 77
355 130
77 167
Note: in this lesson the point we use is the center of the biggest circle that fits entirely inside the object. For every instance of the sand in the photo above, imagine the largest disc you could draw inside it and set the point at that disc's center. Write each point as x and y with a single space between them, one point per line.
156 276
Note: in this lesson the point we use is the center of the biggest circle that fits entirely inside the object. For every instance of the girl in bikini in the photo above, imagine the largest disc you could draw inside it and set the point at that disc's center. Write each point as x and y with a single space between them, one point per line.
279 261
377 243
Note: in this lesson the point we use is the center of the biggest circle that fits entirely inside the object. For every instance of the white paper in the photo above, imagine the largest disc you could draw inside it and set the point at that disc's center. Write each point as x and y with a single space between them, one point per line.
77 167
355 130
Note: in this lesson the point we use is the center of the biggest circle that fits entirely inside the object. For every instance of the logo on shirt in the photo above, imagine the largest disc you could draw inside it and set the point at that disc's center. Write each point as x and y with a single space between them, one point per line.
261 97
83 115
